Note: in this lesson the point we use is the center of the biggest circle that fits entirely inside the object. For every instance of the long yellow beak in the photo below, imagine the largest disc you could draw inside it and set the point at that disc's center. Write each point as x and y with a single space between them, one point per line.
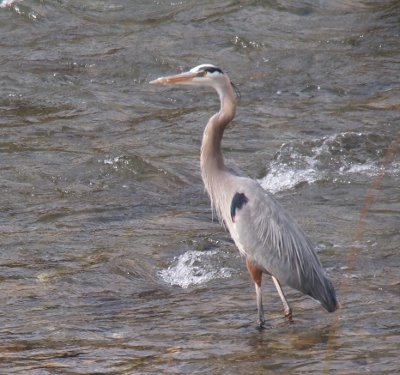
178 78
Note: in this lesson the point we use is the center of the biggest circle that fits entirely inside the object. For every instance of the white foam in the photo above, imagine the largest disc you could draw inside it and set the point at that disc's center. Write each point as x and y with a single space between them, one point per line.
193 268
369 169
339 157
111 161
6 3
285 178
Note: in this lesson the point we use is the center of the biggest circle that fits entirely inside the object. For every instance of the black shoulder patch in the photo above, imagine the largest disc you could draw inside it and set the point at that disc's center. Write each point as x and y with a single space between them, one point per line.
239 199
212 69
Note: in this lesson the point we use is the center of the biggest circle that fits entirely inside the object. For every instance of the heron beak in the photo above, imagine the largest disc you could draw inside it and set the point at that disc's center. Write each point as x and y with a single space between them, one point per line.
178 78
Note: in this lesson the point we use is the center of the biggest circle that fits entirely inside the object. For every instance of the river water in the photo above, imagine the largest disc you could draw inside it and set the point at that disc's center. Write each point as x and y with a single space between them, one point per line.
111 262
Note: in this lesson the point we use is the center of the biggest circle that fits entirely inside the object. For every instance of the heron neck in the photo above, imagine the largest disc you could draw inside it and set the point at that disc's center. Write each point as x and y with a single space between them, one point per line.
211 159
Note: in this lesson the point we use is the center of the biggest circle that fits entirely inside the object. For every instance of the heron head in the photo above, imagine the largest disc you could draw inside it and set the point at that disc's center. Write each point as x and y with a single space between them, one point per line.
201 75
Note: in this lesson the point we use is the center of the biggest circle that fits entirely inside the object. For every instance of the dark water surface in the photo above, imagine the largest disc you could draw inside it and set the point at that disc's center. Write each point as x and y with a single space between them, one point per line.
110 261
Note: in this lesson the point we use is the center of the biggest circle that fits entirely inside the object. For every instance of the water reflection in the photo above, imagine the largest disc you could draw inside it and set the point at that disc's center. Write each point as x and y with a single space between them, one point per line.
101 194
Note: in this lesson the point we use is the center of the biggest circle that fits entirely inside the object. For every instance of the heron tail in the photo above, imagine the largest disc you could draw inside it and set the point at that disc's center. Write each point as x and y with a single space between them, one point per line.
326 295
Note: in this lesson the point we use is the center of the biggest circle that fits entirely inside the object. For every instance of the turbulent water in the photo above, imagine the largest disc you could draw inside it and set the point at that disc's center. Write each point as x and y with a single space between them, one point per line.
111 260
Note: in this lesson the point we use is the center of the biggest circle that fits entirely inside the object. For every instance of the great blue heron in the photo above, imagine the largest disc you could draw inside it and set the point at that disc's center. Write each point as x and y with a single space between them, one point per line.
271 240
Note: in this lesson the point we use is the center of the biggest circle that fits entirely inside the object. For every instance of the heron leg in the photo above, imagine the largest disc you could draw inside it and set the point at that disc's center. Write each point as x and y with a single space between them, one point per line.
287 309
261 318
256 275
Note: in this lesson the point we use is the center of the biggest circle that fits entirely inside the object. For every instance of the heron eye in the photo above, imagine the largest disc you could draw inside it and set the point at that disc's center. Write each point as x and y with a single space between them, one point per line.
204 72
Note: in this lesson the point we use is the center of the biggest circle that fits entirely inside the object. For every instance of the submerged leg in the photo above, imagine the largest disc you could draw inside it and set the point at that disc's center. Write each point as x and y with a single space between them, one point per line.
287 309
261 318
256 275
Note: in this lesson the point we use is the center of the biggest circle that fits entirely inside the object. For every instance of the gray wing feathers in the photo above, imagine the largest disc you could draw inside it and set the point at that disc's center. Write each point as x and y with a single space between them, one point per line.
277 245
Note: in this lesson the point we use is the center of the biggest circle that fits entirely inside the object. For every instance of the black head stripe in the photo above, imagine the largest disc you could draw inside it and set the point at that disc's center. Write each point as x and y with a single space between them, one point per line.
212 69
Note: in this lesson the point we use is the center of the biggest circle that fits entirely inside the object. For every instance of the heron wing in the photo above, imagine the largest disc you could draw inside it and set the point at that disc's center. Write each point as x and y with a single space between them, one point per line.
274 241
